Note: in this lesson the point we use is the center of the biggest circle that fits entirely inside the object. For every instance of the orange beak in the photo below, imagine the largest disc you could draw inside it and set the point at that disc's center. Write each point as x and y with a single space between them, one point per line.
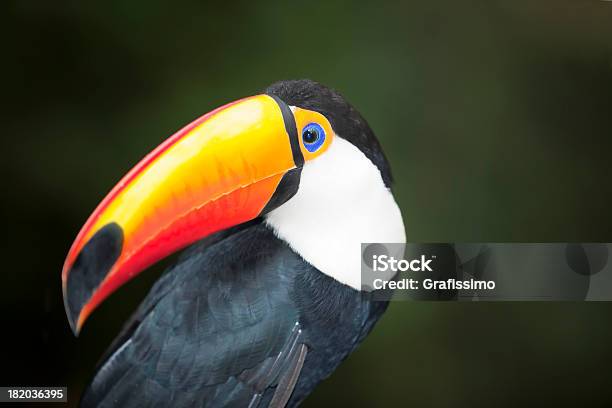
223 169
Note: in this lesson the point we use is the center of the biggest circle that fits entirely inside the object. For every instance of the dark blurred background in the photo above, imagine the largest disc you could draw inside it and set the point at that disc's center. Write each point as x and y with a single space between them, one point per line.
496 117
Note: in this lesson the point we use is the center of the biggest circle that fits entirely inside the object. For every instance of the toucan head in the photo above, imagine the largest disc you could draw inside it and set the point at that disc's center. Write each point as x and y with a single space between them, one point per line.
297 155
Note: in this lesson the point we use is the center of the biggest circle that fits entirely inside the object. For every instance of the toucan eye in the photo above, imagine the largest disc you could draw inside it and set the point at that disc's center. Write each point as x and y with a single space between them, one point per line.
313 136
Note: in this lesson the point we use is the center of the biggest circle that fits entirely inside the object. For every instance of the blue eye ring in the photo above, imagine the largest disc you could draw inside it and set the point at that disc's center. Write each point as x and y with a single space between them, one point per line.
313 137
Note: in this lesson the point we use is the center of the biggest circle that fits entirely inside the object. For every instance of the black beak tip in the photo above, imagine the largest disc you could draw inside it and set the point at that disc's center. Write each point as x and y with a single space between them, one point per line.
72 316
89 270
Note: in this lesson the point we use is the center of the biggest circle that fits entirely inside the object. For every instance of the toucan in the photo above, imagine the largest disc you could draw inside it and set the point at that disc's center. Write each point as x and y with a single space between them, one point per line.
270 198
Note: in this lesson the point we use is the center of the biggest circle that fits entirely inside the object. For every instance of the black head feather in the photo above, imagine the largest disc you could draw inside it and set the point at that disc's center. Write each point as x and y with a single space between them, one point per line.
345 120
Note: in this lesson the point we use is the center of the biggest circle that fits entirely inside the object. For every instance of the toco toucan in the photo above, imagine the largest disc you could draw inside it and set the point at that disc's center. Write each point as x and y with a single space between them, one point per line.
273 195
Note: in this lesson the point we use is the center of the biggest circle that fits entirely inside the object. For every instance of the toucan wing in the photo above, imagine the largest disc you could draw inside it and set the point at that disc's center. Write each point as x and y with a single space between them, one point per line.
218 329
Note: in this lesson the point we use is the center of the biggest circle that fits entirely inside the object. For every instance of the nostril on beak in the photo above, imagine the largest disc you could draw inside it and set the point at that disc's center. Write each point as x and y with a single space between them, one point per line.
91 267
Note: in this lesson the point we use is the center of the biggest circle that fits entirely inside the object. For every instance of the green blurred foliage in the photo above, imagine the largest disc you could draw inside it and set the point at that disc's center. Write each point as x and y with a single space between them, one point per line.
495 115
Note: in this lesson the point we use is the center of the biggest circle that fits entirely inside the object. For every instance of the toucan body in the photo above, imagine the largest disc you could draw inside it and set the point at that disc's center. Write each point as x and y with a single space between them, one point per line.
272 196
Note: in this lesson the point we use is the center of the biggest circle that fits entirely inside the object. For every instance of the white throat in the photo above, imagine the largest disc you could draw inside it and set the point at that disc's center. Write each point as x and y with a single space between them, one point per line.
341 202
